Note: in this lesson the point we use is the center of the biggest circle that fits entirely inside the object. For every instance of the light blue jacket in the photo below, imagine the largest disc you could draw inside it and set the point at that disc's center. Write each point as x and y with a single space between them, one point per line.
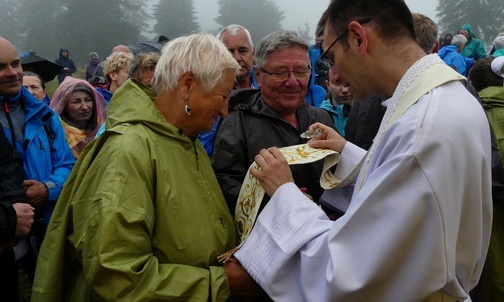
336 114
46 158
455 60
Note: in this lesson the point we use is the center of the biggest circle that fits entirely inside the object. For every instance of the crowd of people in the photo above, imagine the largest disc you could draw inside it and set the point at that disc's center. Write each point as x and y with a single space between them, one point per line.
126 185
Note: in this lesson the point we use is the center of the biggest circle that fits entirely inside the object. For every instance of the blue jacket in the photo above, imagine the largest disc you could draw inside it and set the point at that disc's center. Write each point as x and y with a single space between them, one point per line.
336 114
455 60
46 160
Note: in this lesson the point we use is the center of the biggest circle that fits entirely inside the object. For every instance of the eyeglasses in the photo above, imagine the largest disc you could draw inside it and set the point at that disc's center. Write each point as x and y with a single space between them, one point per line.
329 63
300 73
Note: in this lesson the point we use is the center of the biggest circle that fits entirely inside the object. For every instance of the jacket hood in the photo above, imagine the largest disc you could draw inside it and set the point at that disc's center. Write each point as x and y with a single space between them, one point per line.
94 61
467 27
133 103
492 97
67 87
62 50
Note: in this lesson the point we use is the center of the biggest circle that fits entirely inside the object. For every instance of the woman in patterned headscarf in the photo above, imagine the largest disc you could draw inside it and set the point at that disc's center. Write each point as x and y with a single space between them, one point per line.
82 111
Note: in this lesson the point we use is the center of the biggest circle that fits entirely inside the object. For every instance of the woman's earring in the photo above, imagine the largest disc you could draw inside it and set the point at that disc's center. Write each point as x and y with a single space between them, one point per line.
187 109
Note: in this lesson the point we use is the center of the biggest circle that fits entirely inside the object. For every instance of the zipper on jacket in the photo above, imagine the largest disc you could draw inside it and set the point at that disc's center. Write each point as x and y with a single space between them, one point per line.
9 120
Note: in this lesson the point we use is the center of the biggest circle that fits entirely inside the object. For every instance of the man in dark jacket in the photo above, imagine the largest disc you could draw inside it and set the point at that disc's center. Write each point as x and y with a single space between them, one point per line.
67 63
275 115
15 218
94 60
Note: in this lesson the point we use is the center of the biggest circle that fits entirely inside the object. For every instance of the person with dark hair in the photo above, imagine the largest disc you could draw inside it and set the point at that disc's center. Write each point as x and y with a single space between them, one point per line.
487 77
67 63
163 39
417 226
446 41
82 111
94 60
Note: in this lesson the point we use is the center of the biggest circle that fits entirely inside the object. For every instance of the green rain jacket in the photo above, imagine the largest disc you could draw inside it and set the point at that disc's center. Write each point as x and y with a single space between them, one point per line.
141 218
493 102
474 48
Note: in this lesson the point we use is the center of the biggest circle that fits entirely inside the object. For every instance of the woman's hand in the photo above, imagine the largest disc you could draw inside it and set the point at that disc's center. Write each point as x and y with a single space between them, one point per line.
330 139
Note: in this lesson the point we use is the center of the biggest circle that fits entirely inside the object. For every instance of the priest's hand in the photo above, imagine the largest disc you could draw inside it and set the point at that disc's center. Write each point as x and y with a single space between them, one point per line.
273 170
241 283
36 192
330 139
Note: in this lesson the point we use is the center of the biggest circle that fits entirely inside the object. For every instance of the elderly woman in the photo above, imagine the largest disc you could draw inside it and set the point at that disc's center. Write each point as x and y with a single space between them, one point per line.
81 109
142 217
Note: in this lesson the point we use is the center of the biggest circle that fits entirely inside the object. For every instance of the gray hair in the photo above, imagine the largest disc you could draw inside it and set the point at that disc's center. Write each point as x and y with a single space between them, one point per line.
498 42
204 55
459 40
233 30
275 41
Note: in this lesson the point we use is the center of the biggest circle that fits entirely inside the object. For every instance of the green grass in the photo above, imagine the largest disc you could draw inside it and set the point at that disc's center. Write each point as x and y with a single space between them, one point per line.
52 85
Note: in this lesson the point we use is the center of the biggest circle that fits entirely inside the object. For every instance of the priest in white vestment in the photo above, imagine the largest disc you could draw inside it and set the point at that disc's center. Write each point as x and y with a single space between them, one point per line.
418 223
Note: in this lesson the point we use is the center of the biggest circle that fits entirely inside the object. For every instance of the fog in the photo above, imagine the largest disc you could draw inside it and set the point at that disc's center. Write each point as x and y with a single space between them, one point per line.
299 12
102 26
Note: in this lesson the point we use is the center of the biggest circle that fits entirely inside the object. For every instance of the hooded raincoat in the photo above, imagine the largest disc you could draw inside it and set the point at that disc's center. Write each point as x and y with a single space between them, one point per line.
493 101
66 63
77 138
474 48
141 218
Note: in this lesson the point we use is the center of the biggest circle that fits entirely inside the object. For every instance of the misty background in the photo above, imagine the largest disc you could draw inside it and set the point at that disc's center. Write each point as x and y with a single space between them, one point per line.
45 26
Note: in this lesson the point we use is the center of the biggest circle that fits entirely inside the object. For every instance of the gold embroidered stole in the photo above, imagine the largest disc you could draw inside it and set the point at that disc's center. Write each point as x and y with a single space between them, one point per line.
252 193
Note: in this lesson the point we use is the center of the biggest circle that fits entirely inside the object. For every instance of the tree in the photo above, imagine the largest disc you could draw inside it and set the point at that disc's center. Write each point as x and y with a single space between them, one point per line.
40 28
260 17
485 17
305 33
175 18
9 21
98 25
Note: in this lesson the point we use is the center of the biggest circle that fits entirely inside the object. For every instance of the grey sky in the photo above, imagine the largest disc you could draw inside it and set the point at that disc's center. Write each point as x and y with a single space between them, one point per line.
298 12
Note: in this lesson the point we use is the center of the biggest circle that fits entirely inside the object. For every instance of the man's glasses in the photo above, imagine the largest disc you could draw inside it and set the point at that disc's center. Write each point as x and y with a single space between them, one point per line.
299 73
329 63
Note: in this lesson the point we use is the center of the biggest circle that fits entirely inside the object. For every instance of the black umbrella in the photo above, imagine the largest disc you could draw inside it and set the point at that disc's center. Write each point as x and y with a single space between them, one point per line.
47 70
145 47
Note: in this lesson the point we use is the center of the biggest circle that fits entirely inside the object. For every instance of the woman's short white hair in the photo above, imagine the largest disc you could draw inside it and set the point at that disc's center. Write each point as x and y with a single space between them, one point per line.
498 42
203 55
459 40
